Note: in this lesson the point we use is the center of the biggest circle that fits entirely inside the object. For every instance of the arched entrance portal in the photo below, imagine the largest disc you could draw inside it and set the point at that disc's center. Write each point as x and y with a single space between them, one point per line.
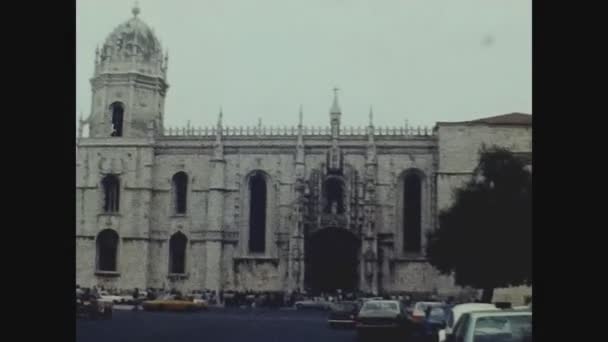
332 260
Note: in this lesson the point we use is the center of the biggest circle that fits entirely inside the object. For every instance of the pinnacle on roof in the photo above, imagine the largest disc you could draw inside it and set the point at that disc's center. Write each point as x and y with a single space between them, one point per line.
335 107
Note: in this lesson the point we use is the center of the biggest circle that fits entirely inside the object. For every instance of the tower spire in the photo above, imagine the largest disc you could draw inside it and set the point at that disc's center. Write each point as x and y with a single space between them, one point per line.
335 107
80 125
220 118
300 149
136 10
300 117
300 129
219 146
371 145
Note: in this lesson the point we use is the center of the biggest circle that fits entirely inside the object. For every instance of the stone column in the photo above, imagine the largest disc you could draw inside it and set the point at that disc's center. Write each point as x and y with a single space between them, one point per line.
215 216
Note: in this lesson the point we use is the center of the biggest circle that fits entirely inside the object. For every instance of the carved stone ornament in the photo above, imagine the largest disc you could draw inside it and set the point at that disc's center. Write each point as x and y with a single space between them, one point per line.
111 166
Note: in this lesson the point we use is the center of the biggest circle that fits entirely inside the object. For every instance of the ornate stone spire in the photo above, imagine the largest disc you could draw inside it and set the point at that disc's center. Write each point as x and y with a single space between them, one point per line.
300 150
335 113
300 128
219 146
335 107
80 125
371 145
136 10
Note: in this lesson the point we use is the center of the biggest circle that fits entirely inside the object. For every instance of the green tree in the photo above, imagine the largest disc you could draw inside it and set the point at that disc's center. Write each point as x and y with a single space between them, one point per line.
485 237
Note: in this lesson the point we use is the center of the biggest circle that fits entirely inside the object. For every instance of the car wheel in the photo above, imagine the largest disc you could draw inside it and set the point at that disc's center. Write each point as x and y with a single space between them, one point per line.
299 306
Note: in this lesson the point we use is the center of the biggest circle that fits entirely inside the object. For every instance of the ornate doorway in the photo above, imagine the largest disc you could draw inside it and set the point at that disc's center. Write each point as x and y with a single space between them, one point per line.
332 260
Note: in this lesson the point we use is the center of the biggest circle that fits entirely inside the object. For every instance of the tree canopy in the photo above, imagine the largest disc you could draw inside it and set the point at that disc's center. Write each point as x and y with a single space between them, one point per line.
485 237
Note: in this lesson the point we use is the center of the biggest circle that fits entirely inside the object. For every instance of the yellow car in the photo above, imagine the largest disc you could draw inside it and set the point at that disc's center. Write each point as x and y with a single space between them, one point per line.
170 303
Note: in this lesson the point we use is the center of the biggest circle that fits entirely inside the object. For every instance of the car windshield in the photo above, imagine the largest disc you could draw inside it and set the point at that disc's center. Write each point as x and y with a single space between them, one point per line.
503 328
380 306
437 314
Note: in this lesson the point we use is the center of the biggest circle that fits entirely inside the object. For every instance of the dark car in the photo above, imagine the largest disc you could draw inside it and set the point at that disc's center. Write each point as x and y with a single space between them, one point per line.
381 317
343 314
92 306
435 320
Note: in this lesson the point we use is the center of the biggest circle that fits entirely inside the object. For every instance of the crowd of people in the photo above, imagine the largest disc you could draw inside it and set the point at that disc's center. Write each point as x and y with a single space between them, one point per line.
253 299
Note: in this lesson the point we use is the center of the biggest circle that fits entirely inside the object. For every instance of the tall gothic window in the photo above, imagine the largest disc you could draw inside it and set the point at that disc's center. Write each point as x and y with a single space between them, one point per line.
412 198
180 192
111 191
107 248
334 196
117 110
177 253
257 213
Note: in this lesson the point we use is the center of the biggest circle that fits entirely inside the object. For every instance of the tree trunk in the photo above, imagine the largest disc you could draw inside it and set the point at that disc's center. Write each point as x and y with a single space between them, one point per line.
487 294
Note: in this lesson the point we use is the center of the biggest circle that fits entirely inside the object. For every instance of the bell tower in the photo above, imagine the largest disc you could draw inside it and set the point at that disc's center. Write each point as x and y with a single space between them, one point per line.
129 83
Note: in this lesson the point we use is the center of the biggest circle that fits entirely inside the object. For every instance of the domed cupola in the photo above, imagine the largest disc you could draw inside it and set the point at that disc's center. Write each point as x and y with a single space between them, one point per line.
132 47
129 84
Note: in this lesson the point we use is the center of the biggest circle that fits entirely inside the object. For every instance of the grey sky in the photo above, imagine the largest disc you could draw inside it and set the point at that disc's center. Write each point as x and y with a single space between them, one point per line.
420 60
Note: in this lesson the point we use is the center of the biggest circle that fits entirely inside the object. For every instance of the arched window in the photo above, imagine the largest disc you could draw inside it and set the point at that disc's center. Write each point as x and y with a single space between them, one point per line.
412 199
111 191
117 110
180 192
257 213
334 196
107 248
177 253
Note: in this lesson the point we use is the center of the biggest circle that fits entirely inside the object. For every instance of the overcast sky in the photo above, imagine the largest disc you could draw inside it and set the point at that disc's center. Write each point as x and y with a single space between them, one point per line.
418 60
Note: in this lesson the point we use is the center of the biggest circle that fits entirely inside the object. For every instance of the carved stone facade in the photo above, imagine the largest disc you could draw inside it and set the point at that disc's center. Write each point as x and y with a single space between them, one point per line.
316 178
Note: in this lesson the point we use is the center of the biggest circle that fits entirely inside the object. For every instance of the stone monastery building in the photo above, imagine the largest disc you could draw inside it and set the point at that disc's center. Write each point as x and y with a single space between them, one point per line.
259 208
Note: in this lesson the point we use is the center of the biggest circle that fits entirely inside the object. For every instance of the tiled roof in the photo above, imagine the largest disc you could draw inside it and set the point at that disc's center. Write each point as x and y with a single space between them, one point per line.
505 119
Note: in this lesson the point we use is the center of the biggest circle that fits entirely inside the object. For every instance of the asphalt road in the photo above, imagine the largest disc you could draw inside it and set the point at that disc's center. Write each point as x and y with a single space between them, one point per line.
217 325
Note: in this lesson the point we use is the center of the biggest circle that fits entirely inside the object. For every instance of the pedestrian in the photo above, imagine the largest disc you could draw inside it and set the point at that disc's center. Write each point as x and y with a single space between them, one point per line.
136 299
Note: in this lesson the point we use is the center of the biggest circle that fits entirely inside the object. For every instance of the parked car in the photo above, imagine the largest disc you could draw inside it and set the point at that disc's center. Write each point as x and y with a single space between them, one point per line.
106 296
492 326
198 298
343 314
171 303
454 313
129 299
381 317
318 304
93 307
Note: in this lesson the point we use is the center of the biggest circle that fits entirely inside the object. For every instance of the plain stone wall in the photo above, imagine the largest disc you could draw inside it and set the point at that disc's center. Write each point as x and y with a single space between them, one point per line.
132 258
420 276
459 147
259 276
85 262
516 295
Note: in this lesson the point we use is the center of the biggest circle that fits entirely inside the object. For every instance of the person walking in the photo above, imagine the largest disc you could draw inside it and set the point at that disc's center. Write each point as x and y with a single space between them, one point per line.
136 299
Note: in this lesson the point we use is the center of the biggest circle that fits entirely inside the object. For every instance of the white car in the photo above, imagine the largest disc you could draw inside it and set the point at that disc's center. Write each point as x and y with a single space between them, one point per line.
455 312
106 297
493 325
